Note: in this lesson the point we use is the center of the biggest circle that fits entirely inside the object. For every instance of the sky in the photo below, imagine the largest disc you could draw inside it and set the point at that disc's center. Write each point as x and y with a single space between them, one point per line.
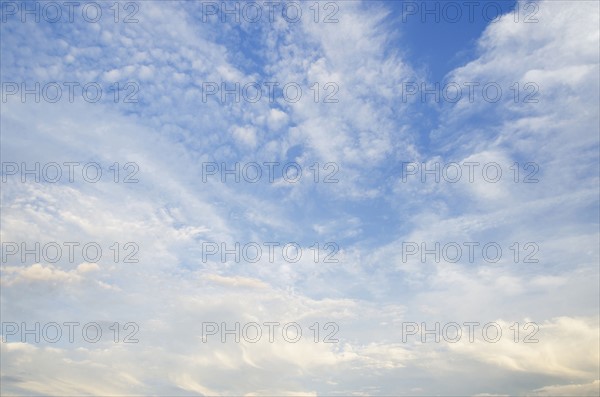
317 198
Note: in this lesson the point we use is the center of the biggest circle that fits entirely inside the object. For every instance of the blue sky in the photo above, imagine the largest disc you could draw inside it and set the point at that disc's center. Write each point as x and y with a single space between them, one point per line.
439 41
371 140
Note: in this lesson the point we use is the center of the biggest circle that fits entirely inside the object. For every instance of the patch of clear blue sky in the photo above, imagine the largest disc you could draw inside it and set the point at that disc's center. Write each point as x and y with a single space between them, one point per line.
438 39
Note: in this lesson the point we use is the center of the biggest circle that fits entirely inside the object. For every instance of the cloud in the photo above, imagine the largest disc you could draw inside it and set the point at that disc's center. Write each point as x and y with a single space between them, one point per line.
40 273
585 389
363 298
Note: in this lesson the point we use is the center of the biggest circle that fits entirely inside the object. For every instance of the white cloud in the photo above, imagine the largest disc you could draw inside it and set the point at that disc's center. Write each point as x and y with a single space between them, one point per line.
581 389
371 291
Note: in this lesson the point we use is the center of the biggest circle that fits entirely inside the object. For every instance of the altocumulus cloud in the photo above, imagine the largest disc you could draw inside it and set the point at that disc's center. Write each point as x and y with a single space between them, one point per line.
172 295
